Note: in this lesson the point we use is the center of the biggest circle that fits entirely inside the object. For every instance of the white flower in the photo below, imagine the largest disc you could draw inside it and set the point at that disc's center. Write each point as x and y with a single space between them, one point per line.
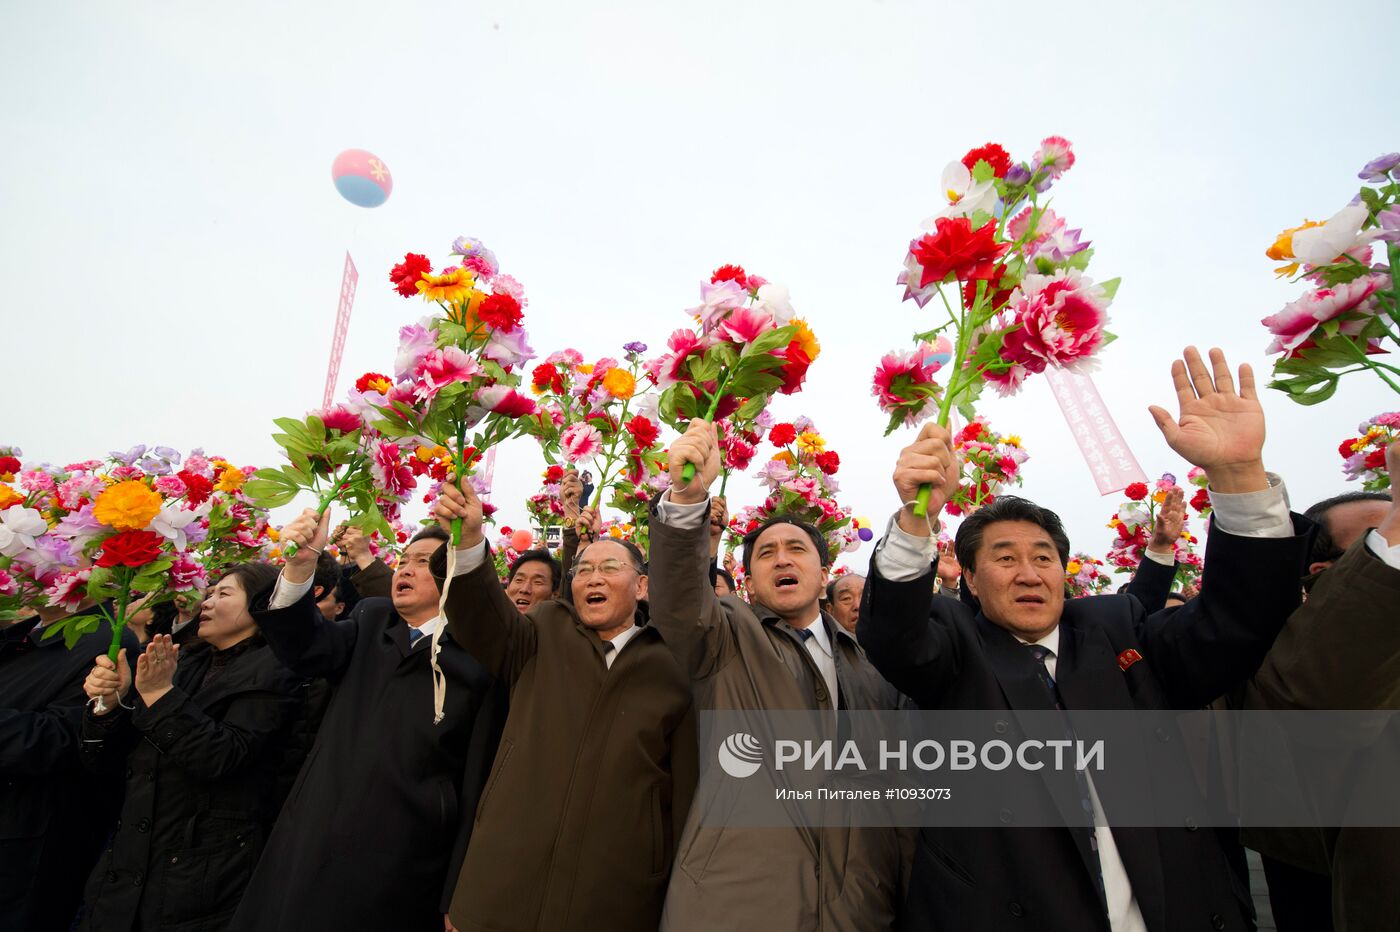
18 528
1341 234
774 300
964 196
172 520
1132 514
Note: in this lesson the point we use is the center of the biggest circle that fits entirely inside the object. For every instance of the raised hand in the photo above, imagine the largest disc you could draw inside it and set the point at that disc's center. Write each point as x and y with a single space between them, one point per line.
929 460
357 547
1171 518
1390 524
155 669
719 517
570 491
587 525
699 447
949 570
108 683
1219 428
309 531
461 503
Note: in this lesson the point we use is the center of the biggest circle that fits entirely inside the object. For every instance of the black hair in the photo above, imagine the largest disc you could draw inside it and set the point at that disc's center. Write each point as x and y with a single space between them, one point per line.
728 579
537 556
1008 508
751 538
253 577
431 532
1324 547
327 575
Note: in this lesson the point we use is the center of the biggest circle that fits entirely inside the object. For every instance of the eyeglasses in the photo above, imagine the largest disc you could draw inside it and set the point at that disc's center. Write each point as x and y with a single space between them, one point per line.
609 568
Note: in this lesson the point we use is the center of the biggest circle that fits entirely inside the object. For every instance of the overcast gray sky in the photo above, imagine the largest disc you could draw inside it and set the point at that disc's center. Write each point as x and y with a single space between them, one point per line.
171 242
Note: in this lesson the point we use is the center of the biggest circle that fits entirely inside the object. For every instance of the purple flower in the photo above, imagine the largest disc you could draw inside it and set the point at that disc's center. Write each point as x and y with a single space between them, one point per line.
635 348
1379 168
79 526
1017 175
130 456
1389 222
155 466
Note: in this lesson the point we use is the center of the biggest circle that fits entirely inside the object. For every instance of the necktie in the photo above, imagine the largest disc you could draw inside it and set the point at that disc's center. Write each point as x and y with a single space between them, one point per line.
805 634
1041 653
413 635
608 648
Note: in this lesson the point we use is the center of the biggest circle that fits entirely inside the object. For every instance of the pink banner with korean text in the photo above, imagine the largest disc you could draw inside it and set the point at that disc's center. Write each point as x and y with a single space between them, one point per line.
1107 454
348 281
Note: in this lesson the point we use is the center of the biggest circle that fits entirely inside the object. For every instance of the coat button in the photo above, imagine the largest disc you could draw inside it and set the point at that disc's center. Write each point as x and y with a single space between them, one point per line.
139 879
175 859
1016 909
1191 825
1000 728
129 772
119 823
111 876
1217 921
144 825
821 693
1005 816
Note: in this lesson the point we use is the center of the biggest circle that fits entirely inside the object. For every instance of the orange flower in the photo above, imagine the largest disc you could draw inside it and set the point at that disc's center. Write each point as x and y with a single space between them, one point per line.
449 288
1283 249
807 339
9 496
619 383
127 506
231 480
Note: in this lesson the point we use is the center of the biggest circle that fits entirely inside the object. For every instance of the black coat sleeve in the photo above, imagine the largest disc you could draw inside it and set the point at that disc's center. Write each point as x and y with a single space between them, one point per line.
210 748
907 632
1249 587
374 581
1151 584
305 642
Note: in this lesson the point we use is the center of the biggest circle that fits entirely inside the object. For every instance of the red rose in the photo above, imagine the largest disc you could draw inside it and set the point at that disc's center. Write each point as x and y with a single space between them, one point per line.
1201 500
782 434
1375 459
1137 491
197 488
407 273
729 273
130 548
828 462
500 312
993 154
958 250
643 431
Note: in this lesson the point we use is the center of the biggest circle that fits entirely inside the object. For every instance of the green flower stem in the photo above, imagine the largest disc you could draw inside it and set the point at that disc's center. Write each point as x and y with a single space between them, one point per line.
955 384
119 623
460 467
337 486
1376 367
688 471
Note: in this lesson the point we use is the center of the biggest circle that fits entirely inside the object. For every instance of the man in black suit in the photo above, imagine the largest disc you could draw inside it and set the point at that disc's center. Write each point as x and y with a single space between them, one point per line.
376 825
1029 650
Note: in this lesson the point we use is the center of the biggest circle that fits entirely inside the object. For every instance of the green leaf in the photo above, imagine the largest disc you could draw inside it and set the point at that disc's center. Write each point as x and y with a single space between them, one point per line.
268 494
1110 287
981 172
770 340
967 411
750 408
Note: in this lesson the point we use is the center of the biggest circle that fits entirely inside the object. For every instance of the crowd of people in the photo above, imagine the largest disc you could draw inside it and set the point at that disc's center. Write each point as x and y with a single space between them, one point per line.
270 761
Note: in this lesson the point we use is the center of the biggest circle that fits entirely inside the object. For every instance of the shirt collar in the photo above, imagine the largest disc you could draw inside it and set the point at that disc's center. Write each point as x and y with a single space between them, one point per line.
820 636
429 627
1050 642
620 639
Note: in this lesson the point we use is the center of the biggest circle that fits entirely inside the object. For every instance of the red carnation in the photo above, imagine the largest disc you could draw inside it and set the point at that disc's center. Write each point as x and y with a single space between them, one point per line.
197 488
130 548
407 273
1375 459
500 312
8 464
828 462
554 474
1345 449
972 431
729 273
1201 500
739 454
643 431
957 250
368 381
782 434
546 377
1137 491
993 154
995 295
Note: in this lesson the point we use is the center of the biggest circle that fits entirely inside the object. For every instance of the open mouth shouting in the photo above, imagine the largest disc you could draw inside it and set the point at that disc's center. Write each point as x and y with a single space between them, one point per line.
785 581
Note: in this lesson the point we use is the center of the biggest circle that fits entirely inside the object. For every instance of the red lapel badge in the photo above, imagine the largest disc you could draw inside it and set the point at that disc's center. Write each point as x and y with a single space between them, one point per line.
1127 659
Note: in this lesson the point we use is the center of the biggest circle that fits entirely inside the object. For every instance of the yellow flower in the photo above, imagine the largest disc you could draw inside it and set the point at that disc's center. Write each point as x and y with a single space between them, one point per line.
1072 567
231 481
427 454
619 383
9 496
1011 440
1283 249
1159 496
810 443
807 339
785 457
464 313
275 553
586 369
450 288
273 534
127 506
1114 523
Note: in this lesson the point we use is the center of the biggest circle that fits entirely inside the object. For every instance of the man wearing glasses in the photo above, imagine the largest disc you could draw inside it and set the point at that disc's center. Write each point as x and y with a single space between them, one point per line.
595 770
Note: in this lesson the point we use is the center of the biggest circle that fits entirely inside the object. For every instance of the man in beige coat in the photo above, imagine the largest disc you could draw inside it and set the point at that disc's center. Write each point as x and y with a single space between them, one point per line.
594 773
783 653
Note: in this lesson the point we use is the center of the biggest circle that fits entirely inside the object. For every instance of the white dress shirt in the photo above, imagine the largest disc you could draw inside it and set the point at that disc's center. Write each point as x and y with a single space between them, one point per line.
286 593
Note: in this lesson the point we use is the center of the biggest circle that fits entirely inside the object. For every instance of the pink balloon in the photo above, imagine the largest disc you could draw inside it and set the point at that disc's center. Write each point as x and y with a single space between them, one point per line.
522 540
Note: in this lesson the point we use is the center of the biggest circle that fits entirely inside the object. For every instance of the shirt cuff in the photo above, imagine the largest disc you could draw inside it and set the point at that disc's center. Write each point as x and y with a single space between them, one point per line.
286 594
470 559
1378 545
1166 559
902 557
1254 514
682 517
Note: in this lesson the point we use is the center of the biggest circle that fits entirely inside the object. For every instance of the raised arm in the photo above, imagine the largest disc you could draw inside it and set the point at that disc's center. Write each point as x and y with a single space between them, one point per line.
1152 582
692 620
905 630
479 615
287 617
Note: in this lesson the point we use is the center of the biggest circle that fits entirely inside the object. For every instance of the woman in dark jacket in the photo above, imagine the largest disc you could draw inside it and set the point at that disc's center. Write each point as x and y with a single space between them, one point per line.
199 745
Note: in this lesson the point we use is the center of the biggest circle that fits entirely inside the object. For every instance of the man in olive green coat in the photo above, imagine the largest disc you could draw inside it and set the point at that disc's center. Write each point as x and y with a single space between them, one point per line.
595 770
781 654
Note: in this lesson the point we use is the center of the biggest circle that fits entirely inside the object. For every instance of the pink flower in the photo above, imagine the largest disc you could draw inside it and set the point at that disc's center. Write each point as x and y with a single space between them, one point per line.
80 488
565 357
1298 319
580 442
441 368
186 573
745 324
200 465
739 455
169 486
774 473
805 487
1008 382
1054 155
8 584
683 344
415 342
508 349
1062 320
505 284
37 480
504 400
340 418
393 477
716 300
895 374
68 590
